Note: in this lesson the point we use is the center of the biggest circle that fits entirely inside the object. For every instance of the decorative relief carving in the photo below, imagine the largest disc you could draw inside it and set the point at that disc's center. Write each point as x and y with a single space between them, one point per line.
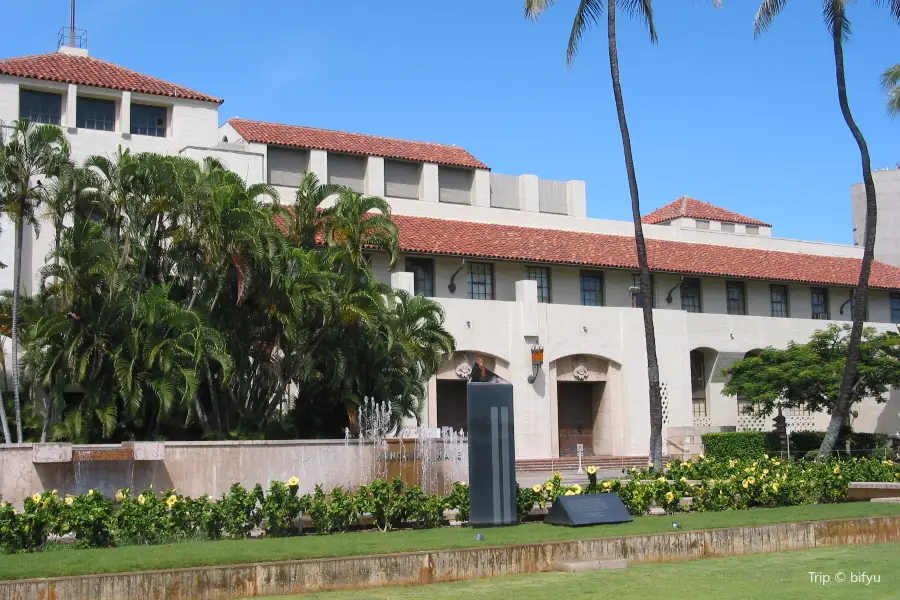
463 370
580 373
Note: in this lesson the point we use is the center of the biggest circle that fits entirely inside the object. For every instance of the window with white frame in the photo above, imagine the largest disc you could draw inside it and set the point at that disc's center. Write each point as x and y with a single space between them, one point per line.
480 281
541 275
778 295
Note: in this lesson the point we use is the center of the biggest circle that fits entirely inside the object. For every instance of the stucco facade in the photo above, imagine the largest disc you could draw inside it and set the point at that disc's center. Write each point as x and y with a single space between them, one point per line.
592 386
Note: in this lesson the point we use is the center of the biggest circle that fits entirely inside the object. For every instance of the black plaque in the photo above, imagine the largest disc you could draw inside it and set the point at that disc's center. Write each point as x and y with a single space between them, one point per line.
492 454
588 509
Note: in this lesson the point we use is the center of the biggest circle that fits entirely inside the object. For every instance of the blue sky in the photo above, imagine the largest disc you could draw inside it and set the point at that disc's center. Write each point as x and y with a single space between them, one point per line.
751 125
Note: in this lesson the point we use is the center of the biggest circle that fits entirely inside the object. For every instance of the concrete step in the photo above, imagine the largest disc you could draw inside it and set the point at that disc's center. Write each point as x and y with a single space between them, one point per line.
580 566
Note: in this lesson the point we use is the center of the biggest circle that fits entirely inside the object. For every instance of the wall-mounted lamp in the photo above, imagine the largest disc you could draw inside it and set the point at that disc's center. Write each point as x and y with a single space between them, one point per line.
452 287
537 359
469 324
585 328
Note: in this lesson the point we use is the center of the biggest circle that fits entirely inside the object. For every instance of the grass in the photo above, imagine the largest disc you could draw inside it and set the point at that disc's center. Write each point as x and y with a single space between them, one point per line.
774 576
65 562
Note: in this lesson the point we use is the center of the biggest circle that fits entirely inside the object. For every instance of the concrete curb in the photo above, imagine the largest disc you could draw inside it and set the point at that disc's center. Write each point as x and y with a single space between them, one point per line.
415 568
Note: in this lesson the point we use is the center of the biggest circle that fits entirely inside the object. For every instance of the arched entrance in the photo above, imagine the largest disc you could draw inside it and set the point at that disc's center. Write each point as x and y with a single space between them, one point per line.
447 400
586 402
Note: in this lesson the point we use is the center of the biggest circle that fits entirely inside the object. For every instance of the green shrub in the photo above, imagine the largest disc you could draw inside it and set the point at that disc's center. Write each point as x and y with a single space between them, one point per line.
239 510
279 509
141 519
87 516
383 500
422 510
737 444
458 499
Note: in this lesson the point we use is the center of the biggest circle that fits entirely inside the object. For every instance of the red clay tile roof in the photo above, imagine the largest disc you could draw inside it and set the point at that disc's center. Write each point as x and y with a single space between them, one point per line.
505 242
695 209
85 70
353 143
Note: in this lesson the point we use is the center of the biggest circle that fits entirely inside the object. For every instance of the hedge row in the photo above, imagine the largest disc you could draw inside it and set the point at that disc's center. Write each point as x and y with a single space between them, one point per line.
752 444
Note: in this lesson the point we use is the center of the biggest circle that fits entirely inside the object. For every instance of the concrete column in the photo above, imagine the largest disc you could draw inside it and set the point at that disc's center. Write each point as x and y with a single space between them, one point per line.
527 302
401 280
576 198
431 188
528 184
375 176
318 164
483 188
125 114
71 103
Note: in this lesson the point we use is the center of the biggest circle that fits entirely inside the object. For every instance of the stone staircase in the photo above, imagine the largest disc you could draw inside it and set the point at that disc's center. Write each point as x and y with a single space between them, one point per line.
570 464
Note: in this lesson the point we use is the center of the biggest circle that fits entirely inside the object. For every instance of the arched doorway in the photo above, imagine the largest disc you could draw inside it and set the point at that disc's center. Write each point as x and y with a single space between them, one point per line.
448 407
586 394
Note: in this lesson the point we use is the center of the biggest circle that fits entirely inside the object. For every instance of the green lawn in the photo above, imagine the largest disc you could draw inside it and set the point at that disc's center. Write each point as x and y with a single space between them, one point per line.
776 576
192 554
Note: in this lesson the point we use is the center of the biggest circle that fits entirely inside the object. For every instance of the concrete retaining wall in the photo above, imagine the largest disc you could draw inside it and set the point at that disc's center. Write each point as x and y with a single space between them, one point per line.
292 577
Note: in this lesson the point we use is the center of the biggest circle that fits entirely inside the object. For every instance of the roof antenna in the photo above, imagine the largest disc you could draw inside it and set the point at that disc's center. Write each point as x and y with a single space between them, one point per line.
72 25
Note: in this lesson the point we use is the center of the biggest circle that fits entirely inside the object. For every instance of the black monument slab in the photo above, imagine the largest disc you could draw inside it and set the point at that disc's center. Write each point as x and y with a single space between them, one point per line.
492 451
588 509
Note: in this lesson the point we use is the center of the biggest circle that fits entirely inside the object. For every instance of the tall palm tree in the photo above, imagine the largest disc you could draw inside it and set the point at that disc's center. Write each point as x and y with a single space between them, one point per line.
303 219
587 15
30 151
890 80
835 17
357 222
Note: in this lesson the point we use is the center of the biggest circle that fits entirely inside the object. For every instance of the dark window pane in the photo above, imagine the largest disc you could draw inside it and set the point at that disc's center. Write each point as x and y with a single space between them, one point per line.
690 296
819 297
779 297
481 281
591 288
895 307
423 275
92 113
148 120
542 276
734 291
40 107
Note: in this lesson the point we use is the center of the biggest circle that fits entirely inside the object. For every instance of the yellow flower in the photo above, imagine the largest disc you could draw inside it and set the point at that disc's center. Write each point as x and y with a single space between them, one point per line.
752 480
753 469
837 470
36 498
661 480
548 486
141 499
745 484
731 463
293 482
90 492
536 489
897 475
702 457
774 487
120 496
69 500
558 475
766 456
670 496
464 484
783 476
683 479
606 484
685 464
46 502
633 469
54 492
765 471
173 499
591 470
570 493
576 488
776 462
889 463
668 465
650 465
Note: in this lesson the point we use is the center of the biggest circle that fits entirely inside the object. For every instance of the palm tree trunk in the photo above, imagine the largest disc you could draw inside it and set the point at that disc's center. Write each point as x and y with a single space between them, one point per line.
5 422
655 454
17 284
841 411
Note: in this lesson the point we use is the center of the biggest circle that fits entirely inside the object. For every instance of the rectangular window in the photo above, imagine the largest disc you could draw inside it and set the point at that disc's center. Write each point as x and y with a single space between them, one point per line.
636 297
402 179
481 281
423 275
752 229
286 166
895 307
779 297
148 120
819 298
94 113
698 371
703 224
591 288
347 170
542 276
455 185
40 107
737 300
690 296
728 227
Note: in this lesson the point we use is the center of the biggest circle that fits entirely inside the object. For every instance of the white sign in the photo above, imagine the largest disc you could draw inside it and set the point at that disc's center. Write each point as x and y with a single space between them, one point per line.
580 450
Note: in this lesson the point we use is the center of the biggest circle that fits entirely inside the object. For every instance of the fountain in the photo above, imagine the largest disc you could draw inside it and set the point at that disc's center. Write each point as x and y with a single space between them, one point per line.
106 468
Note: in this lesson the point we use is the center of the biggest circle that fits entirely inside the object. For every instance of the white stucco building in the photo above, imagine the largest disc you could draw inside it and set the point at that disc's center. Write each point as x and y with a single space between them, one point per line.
513 260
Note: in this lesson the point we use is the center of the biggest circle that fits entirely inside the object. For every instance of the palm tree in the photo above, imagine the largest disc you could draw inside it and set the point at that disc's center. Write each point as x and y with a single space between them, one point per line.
835 17
890 80
587 15
351 226
303 220
31 151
